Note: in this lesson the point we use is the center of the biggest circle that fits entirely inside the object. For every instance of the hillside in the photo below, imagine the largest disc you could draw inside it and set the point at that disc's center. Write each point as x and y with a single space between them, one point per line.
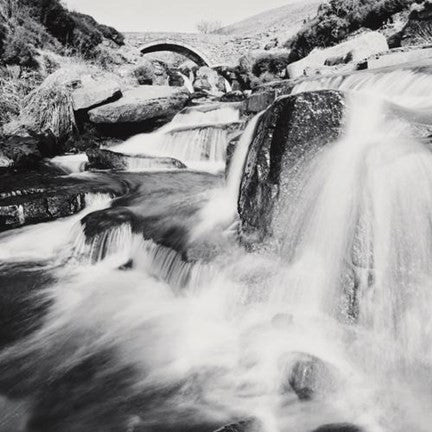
279 22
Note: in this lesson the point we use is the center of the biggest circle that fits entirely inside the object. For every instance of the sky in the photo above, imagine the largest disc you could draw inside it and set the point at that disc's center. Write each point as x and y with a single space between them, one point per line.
170 15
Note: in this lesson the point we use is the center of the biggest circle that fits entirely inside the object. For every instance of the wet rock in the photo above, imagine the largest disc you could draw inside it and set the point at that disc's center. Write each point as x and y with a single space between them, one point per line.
233 96
106 159
247 425
308 376
25 210
93 91
339 427
142 104
260 101
289 133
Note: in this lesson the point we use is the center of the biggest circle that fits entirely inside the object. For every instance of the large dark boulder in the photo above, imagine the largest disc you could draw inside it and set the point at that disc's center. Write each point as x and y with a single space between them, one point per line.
107 159
289 133
16 151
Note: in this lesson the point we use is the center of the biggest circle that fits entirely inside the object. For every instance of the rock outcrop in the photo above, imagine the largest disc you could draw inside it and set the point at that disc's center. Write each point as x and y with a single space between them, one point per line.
293 129
141 104
351 51
107 159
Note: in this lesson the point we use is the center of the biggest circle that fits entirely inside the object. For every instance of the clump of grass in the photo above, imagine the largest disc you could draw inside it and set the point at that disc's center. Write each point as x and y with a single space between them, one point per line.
49 110
15 85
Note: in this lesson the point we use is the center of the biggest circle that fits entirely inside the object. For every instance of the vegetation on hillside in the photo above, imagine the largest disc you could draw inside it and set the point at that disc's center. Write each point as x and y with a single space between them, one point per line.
336 19
27 26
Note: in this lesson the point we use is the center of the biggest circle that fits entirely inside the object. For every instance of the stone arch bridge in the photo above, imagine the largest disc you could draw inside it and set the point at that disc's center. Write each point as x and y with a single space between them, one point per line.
204 49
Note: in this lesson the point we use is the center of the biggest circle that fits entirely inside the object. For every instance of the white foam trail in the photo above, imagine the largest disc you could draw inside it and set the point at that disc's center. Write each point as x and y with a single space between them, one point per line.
49 240
221 209
73 163
187 82
405 87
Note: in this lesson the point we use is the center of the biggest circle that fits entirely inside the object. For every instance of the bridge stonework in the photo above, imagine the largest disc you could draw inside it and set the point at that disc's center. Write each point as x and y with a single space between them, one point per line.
204 49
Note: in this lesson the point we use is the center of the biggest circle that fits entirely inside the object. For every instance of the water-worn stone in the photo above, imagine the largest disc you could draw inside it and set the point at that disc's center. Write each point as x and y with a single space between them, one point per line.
308 376
107 159
93 91
141 104
293 129
339 427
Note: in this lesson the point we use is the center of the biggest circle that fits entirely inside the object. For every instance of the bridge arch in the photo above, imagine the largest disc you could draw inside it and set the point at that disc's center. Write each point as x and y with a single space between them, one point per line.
187 50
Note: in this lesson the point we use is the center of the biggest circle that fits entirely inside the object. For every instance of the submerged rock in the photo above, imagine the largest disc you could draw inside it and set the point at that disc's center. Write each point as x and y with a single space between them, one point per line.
141 104
107 159
339 427
308 376
247 425
290 132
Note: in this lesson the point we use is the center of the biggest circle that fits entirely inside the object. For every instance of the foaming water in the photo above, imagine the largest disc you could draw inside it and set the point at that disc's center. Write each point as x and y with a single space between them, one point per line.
73 163
404 87
46 240
204 343
198 139
221 209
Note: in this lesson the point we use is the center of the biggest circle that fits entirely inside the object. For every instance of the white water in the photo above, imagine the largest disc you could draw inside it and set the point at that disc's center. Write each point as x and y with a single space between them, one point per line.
73 163
360 210
198 139
187 82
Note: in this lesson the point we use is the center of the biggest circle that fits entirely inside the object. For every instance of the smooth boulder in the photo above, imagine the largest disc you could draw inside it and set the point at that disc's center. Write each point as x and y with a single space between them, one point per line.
293 129
141 104
94 90
107 159
307 376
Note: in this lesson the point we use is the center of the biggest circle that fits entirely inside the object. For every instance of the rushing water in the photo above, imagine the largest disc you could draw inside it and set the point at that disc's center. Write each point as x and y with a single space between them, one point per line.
133 336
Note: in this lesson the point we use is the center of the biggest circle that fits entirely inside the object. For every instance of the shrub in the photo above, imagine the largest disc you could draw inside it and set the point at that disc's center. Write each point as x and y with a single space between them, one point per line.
19 49
336 19
144 74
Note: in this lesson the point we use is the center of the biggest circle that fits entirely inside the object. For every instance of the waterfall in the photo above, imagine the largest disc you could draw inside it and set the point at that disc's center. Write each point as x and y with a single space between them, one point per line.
187 82
221 209
139 335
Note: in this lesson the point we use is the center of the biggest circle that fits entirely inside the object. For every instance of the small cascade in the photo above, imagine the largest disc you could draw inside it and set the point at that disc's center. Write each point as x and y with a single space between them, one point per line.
404 87
228 87
221 209
187 82
47 240
198 139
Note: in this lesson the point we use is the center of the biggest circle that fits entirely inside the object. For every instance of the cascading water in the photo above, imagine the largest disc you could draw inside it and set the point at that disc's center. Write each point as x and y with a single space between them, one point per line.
125 346
198 139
